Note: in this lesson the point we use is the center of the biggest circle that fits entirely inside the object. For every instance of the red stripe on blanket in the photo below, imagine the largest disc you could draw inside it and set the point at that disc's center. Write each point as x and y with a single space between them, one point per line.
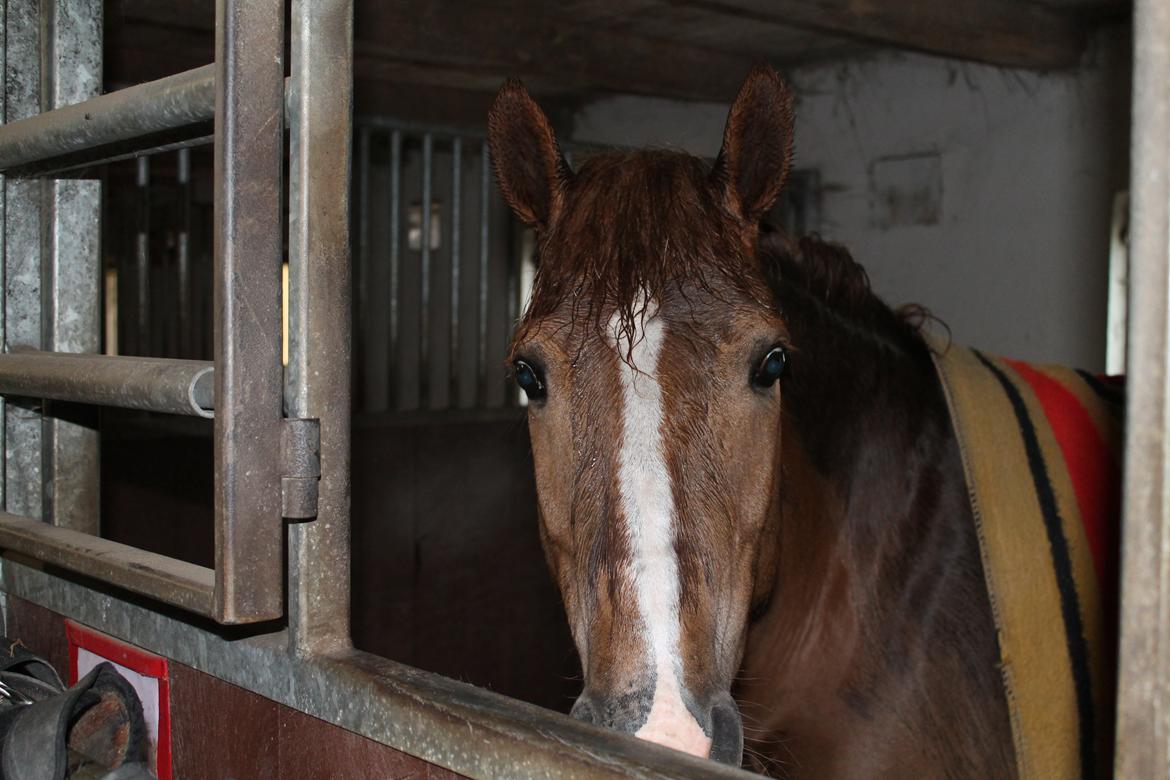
1094 475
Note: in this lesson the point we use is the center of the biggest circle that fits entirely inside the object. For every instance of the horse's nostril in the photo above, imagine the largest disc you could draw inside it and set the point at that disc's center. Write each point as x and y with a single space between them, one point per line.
583 710
726 733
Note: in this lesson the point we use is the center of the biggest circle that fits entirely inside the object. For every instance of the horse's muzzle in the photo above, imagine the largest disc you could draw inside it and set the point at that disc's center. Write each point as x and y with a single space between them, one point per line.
720 722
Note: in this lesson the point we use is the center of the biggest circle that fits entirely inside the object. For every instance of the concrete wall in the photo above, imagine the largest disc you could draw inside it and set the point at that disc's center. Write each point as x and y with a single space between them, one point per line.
983 193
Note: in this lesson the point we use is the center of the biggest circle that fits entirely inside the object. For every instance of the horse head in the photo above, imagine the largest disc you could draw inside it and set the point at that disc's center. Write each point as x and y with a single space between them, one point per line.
651 354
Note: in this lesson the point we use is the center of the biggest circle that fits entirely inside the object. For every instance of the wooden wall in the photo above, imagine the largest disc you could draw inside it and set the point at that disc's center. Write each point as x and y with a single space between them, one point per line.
220 730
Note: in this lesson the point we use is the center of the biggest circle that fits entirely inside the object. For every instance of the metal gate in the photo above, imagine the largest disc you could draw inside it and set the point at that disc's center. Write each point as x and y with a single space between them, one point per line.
281 439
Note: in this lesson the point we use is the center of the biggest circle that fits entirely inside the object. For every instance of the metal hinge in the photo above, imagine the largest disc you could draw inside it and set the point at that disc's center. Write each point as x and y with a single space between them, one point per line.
300 451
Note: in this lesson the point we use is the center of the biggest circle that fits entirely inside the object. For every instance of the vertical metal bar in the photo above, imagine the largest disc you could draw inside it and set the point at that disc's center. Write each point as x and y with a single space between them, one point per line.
456 240
24 201
1143 707
142 258
183 251
319 297
363 286
71 270
395 261
249 130
485 192
424 304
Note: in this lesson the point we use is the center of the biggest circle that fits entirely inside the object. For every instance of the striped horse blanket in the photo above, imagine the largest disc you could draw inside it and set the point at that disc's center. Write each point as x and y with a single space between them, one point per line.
1041 449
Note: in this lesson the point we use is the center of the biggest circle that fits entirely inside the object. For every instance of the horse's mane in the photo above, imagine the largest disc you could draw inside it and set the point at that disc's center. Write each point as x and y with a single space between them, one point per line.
635 223
827 273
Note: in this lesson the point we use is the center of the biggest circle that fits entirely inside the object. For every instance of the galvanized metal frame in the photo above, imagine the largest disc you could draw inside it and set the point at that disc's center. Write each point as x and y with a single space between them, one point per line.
51 301
249 230
1143 707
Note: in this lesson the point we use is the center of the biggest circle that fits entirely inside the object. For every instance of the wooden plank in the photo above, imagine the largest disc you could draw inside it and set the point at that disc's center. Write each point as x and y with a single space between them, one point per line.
1000 32
471 46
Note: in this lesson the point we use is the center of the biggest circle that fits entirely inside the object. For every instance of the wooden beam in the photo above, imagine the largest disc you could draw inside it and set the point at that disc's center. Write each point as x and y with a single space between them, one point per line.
1012 33
473 46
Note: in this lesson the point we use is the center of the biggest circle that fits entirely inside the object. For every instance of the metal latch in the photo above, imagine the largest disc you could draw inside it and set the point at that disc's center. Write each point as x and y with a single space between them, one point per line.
300 451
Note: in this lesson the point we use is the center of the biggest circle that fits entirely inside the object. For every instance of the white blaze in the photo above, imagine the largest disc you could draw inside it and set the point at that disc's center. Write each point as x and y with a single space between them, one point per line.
648 507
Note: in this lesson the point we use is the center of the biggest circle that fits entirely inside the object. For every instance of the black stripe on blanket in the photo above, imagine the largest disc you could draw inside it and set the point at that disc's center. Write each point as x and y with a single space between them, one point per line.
1074 632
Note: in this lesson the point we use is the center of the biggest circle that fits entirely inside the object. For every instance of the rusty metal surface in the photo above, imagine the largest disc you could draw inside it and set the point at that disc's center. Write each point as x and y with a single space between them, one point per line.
249 132
72 272
1143 707
166 579
24 202
320 296
183 102
154 384
467 729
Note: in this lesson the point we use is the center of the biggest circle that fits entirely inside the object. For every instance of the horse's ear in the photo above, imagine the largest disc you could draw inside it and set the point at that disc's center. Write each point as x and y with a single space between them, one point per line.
757 144
528 164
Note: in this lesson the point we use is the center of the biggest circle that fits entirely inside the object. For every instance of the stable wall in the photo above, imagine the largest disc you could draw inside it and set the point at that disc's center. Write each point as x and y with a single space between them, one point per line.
981 192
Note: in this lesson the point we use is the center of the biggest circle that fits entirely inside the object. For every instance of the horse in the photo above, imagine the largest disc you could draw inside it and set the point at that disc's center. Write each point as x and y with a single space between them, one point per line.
750 492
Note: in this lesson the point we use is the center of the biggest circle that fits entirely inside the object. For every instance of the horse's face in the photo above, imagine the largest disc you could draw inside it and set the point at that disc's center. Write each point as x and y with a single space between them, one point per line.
651 355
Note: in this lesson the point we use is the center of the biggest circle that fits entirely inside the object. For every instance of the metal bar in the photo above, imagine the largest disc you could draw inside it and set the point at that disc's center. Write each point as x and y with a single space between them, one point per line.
1143 706
71 268
142 258
469 730
363 287
319 375
185 100
183 252
3 252
249 150
395 262
168 580
456 240
24 202
152 384
424 304
485 193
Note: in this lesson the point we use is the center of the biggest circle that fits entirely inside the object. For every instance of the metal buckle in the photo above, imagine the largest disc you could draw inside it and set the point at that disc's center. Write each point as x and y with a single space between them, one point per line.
13 695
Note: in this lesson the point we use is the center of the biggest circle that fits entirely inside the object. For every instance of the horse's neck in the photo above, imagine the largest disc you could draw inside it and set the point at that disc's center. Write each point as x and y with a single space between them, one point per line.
871 475
872 510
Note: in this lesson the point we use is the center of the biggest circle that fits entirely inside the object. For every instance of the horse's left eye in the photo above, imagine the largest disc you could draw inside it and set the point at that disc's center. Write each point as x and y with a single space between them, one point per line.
770 367
529 379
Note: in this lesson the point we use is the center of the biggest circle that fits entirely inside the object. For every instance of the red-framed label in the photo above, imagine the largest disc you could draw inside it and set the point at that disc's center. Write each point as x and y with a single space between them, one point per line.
147 672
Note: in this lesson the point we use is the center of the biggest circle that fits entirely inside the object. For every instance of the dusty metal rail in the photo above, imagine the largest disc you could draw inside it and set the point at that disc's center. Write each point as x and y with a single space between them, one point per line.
183 102
152 384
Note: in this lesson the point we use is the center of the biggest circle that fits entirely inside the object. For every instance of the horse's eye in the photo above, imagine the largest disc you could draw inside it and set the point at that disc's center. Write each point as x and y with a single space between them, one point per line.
770 367
529 379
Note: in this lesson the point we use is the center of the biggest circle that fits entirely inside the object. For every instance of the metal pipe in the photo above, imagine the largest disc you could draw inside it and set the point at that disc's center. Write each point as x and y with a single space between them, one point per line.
365 399
169 104
153 384
485 193
142 258
395 261
186 348
166 579
424 304
456 235
319 375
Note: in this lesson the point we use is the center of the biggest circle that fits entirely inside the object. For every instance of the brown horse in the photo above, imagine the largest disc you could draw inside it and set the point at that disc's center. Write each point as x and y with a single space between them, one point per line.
747 479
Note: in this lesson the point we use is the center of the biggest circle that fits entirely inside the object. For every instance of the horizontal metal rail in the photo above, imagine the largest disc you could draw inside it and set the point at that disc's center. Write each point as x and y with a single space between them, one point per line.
172 581
95 128
154 384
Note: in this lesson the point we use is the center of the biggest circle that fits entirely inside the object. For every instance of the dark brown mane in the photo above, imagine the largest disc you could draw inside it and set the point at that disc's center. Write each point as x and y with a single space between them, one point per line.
827 273
635 226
